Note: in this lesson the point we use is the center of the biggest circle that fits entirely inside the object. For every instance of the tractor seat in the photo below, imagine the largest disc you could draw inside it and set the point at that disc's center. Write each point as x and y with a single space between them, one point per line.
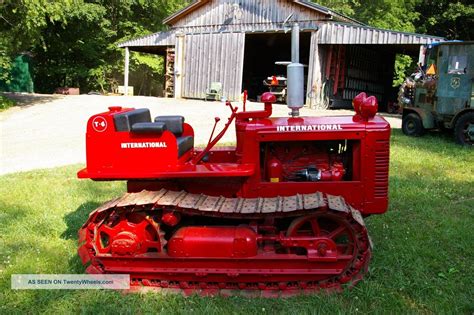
125 121
149 127
138 121
175 125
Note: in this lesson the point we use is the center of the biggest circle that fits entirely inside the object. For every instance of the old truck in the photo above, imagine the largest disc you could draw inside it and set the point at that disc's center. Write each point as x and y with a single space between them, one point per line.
440 94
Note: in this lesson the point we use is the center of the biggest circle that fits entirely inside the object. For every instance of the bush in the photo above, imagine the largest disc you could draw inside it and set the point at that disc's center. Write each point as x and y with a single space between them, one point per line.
5 103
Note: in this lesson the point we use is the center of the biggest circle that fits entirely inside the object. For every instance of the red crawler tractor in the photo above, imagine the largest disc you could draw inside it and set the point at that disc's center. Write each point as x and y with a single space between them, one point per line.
281 212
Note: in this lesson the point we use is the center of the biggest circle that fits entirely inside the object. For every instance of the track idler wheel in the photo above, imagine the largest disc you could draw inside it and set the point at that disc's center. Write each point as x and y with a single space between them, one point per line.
335 229
336 235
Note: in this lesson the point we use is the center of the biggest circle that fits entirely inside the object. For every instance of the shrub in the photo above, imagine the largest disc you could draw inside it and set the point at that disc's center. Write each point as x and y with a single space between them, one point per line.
6 103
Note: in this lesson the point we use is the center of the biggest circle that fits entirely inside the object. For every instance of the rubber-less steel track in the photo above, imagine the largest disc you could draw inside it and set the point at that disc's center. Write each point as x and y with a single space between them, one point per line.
226 276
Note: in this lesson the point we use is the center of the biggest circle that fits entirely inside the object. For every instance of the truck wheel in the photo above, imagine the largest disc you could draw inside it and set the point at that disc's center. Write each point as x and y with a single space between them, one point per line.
464 129
412 125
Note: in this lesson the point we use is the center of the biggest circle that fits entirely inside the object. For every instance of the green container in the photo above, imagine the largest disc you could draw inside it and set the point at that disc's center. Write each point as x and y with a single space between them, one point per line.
20 76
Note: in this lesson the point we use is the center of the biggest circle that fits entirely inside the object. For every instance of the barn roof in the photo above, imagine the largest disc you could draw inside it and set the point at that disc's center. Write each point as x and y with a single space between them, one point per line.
155 43
332 28
344 33
328 33
307 4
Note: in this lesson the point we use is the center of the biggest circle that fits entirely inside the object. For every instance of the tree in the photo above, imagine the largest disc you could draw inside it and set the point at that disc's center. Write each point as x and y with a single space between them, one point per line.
450 19
21 23
131 19
398 15
69 52
346 7
445 18
74 42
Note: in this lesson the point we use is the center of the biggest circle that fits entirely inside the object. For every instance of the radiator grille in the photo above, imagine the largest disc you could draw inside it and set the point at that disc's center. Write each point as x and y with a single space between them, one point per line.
382 156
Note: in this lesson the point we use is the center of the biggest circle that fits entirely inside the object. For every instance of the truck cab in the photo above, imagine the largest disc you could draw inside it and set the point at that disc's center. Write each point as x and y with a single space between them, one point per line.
440 94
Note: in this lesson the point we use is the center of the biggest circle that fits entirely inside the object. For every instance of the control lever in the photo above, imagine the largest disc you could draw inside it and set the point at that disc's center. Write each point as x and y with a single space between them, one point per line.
213 142
217 119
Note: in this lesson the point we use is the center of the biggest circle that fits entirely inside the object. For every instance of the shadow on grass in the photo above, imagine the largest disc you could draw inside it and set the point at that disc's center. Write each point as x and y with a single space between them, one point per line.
433 141
29 99
102 191
74 220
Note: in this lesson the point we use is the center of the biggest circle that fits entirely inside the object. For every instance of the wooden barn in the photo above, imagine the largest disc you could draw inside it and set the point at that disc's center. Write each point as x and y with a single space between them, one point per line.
237 42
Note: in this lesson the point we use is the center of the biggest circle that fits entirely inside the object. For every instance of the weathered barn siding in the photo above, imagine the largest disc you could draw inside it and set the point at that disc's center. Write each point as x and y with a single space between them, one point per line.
217 57
341 33
251 15
315 98
215 39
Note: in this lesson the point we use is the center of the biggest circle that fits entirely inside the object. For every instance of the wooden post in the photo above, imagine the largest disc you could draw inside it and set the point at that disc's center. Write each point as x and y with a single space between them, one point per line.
314 95
169 72
127 63
179 66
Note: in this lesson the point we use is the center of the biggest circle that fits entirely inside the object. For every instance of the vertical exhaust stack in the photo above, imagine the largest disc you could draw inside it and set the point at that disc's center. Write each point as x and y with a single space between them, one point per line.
295 74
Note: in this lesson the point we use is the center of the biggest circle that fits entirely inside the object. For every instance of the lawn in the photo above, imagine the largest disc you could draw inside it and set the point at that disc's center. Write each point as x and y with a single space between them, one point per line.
423 254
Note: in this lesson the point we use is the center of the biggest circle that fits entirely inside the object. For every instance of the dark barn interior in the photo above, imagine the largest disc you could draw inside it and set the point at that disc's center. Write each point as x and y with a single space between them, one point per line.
262 50
351 69
346 69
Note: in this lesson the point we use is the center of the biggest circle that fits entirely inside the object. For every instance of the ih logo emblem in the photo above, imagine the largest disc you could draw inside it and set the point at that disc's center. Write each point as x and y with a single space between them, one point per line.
99 124
455 82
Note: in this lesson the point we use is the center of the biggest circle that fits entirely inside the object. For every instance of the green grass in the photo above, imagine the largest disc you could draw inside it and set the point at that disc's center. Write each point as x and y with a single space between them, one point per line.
6 103
423 255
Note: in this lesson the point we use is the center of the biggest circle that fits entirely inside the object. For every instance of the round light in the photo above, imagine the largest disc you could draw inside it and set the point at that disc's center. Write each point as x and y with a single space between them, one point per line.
358 100
268 97
369 107
364 106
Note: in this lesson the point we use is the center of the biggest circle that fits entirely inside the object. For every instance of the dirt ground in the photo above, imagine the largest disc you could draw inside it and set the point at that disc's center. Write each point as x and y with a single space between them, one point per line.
49 130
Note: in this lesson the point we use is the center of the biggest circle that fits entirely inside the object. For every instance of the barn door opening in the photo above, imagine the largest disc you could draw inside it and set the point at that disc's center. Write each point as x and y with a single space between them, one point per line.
261 53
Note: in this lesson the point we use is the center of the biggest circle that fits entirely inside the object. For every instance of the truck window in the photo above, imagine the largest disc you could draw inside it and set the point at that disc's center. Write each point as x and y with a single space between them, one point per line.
457 65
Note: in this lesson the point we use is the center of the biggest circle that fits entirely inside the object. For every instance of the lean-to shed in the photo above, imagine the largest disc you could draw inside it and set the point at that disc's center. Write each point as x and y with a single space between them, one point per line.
237 42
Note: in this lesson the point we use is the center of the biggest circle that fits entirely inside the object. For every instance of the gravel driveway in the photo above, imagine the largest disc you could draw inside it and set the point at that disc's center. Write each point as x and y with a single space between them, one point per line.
50 130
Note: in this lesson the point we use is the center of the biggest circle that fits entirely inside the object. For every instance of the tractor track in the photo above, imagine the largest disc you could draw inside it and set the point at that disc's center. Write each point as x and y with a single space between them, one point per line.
203 281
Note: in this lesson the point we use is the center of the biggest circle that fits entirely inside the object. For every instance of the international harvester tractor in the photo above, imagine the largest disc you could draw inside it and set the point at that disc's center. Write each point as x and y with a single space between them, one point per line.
281 212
